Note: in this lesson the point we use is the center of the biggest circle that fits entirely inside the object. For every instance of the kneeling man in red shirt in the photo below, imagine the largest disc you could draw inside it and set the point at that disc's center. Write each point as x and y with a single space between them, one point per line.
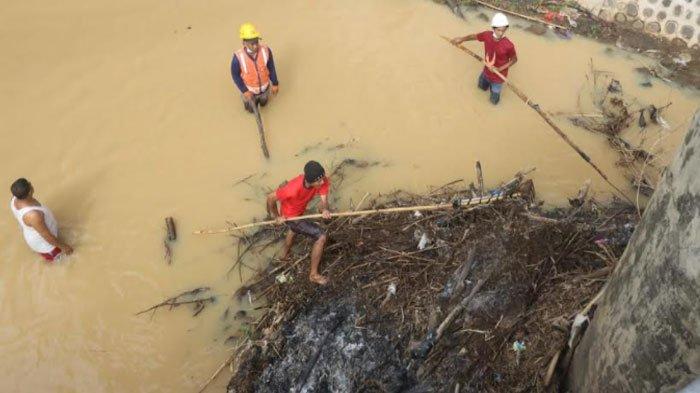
294 197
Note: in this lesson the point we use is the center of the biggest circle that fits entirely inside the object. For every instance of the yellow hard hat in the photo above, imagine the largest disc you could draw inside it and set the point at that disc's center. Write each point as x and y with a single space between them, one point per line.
249 32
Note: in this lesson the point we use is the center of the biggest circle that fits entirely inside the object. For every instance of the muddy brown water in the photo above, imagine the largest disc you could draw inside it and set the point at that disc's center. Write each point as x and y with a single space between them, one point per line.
123 113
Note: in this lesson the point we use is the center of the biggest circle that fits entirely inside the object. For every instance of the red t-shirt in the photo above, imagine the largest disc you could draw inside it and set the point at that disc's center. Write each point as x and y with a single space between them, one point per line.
294 197
504 50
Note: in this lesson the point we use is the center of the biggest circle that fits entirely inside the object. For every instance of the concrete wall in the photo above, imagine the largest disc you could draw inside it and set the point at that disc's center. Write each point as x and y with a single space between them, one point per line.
673 19
645 334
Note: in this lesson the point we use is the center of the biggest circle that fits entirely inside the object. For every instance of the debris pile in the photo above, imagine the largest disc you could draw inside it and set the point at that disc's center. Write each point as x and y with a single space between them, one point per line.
458 300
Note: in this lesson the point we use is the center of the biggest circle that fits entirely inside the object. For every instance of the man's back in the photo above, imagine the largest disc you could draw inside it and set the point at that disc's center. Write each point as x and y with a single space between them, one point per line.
23 210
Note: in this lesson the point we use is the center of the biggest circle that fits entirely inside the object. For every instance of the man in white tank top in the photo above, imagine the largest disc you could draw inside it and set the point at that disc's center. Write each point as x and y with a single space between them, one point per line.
38 224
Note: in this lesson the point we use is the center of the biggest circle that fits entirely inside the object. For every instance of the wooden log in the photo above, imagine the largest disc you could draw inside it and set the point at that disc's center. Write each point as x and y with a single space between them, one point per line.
457 310
480 178
455 285
170 227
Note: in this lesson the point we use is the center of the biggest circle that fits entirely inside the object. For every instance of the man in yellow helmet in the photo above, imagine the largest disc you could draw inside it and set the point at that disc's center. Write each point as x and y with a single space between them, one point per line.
253 69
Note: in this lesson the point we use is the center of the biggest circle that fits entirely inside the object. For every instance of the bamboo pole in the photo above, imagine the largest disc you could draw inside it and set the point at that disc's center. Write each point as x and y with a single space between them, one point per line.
261 130
546 118
466 203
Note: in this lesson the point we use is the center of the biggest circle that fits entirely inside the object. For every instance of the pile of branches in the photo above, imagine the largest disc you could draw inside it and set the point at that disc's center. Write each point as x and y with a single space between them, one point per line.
613 115
527 273
197 298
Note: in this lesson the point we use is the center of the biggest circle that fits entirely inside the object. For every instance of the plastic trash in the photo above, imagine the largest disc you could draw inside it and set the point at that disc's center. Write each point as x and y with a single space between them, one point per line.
518 347
663 122
417 234
283 278
615 86
580 322
390 291
422 349
423 242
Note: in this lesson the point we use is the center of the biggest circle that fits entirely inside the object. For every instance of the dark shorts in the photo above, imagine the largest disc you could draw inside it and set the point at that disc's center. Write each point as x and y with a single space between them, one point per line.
306 228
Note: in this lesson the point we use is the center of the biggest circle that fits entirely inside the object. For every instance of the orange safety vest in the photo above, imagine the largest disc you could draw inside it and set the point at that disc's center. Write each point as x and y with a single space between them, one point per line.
255 74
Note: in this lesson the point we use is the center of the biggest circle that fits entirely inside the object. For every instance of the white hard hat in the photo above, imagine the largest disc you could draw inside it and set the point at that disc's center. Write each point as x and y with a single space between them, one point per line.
499 20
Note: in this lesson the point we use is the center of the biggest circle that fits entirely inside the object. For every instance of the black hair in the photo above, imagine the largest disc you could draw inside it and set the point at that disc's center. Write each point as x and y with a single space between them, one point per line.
313 171
21 188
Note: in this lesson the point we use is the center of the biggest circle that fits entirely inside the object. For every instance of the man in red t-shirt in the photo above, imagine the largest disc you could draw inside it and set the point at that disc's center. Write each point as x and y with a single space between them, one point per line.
499 53
294 197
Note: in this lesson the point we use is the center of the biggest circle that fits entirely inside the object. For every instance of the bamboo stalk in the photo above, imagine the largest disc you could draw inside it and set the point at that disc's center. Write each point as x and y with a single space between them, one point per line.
546 118
520 15
464 203
261 130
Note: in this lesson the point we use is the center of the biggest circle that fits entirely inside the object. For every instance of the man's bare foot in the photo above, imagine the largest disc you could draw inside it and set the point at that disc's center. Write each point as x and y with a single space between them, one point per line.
318 279
285 258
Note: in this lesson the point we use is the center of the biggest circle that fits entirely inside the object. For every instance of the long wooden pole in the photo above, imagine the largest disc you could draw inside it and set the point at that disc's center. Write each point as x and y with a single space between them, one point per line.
470 202
546 118
261 130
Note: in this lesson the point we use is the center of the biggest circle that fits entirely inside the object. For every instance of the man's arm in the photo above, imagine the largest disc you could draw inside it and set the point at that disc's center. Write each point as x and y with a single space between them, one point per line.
459 40
271 67
236 75
509 64
35 219
272 209
325 210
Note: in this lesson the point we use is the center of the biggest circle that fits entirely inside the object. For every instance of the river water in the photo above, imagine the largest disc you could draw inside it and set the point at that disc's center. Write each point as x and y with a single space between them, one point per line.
123 113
